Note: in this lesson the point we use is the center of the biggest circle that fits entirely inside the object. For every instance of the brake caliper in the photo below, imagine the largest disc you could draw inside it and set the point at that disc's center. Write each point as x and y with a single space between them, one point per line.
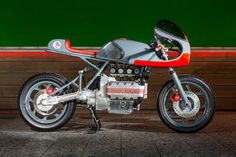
49 90
176 97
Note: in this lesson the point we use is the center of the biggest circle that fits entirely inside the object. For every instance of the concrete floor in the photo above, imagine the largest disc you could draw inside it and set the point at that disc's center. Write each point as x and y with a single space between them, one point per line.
141 134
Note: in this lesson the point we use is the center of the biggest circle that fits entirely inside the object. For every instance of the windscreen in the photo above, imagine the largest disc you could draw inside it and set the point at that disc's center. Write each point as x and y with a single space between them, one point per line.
171 28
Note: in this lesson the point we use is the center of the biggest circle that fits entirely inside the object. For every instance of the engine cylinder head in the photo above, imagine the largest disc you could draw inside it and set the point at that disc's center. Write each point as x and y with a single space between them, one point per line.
124 72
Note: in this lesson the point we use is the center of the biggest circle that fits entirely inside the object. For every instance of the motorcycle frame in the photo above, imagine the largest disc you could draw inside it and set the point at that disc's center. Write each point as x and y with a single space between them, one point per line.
88 59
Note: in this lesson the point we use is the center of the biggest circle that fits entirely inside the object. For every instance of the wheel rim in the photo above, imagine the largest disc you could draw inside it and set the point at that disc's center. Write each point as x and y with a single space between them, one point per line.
179 121
59 110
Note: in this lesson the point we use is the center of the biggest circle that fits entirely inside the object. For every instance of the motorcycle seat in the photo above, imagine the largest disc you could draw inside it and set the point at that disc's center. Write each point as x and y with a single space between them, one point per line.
84 52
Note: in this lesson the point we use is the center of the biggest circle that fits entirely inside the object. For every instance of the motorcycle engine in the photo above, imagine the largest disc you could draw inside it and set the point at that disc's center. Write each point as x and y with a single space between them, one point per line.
124 95
119 97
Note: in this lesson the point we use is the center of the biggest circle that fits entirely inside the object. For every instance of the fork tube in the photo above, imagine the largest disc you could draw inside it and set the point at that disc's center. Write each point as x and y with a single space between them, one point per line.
179 86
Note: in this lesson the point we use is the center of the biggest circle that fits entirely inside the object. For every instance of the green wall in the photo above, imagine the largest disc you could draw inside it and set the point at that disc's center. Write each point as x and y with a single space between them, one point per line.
92 23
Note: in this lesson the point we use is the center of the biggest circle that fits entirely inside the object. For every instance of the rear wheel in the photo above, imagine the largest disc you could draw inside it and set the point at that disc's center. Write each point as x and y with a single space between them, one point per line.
186 118
38 116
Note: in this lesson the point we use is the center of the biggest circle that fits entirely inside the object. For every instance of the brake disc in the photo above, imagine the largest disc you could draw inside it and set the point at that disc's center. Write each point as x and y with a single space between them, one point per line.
187 111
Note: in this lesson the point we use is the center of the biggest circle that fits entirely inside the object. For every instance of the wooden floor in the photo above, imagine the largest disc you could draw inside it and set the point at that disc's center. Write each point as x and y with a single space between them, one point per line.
141 134
217 68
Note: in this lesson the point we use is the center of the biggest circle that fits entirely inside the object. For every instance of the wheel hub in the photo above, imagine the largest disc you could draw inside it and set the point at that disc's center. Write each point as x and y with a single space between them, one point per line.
39 106
190 110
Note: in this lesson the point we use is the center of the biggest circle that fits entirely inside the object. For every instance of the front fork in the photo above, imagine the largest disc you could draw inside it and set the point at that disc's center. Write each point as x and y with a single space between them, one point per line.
179 86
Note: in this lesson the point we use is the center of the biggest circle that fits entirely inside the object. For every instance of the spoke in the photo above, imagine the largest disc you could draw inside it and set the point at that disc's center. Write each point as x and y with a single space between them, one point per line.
204 105
176 117
31 100
200 93
47 85
37 88
45 118
169 109
197 116
188 87
56 115
34 111
202 108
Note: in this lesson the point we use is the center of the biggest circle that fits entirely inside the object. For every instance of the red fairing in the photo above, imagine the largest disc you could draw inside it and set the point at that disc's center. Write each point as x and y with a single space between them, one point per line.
182 61
69 48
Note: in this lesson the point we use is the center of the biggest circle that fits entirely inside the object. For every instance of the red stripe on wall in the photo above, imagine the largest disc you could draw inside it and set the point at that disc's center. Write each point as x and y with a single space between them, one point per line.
32 53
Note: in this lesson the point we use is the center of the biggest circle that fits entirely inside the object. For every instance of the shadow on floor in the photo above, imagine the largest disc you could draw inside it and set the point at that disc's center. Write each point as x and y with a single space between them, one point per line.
147 121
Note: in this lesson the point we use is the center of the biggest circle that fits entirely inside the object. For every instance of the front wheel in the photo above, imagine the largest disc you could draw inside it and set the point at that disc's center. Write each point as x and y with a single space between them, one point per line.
186 118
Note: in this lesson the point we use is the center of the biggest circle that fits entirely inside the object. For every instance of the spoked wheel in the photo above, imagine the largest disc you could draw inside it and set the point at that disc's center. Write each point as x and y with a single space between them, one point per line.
37 115
191 117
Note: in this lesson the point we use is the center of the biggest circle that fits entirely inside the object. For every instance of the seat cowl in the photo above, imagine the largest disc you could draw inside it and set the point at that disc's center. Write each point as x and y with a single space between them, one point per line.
61 45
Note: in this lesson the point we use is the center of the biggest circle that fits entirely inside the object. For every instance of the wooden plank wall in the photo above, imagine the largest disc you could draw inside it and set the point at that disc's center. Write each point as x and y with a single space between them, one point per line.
219 69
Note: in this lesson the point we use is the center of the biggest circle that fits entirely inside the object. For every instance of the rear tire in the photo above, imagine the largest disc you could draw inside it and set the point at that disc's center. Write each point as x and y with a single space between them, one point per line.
28 112
166 114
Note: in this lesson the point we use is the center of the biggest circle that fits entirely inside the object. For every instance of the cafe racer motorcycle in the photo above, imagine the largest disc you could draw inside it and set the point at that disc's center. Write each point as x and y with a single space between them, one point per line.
185 103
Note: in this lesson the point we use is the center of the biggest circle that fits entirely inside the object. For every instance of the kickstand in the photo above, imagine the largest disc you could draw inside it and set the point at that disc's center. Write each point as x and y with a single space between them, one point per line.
97 122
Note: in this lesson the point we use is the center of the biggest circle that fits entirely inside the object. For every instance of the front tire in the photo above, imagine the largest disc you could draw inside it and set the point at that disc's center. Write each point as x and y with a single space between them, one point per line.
43 120
179 119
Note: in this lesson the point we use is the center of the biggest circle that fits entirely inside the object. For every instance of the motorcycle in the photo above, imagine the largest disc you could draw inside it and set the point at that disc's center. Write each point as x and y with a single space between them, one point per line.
185 103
